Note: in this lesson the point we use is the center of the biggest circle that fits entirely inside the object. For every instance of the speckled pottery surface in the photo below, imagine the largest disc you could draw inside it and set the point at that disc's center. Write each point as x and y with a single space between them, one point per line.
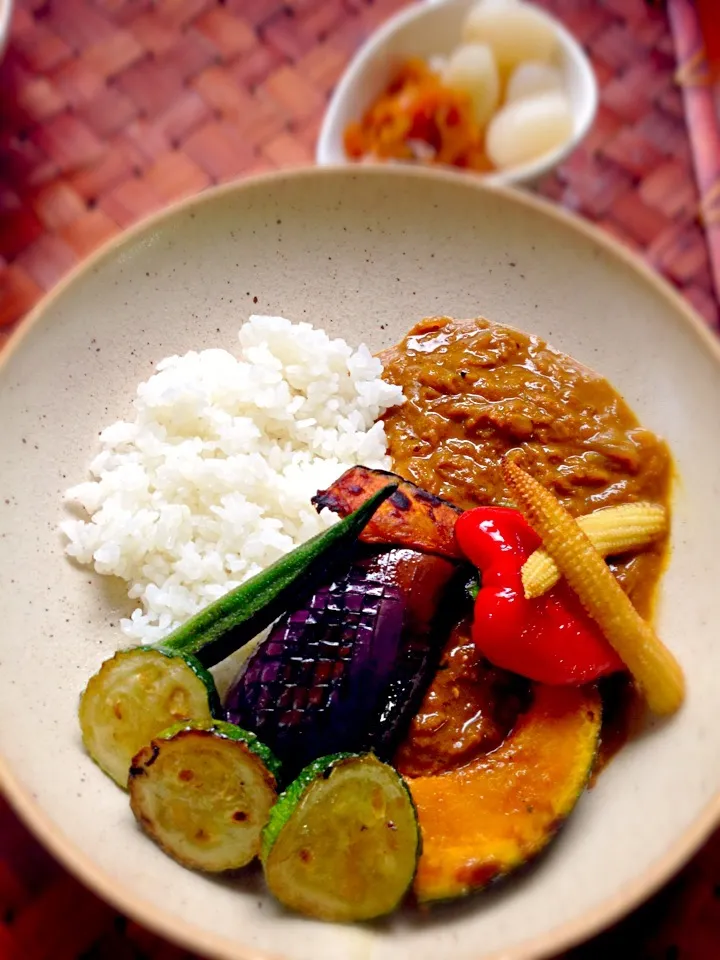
364 254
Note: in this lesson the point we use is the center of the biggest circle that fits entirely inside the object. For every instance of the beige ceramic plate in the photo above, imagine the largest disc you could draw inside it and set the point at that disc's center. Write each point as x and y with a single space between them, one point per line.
364 253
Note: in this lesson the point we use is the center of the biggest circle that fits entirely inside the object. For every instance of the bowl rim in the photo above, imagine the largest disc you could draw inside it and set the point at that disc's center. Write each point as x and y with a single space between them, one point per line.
526 172
184 932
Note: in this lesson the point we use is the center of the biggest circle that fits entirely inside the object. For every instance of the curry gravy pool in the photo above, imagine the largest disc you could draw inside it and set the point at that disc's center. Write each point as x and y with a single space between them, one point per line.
476 390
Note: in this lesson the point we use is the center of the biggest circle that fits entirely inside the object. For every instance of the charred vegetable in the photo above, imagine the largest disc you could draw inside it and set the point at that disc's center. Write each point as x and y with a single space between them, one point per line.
347 670
482 820
342 842
137 693
433 588
411 517
204 793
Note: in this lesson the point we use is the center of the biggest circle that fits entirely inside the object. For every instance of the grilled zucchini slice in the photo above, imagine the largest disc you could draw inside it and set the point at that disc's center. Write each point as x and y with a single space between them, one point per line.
203 792
135 695
343 841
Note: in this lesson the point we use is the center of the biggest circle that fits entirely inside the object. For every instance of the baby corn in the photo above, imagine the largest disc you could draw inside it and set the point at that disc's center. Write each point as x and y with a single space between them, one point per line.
611 531
653 667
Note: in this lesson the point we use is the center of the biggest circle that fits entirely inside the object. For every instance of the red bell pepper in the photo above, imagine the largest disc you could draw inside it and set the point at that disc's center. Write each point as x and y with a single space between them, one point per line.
550 638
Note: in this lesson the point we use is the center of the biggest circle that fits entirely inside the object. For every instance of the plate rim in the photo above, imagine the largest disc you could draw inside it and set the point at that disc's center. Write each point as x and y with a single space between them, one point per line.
185 933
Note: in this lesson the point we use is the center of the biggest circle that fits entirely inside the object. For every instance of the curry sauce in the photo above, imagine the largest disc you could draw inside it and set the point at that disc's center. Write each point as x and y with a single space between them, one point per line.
476 390
468 710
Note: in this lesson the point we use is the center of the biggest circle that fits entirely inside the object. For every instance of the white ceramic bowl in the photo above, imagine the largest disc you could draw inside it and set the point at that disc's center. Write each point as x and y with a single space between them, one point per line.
365 253
433 28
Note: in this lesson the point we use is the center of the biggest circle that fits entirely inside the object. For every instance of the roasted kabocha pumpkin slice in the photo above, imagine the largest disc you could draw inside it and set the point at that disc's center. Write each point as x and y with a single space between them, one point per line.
483 820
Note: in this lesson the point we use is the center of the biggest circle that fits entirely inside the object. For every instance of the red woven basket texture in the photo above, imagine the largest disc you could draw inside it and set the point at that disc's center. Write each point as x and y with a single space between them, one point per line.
110 109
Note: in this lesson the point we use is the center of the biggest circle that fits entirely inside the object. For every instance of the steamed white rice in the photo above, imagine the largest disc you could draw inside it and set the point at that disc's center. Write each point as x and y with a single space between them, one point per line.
212 478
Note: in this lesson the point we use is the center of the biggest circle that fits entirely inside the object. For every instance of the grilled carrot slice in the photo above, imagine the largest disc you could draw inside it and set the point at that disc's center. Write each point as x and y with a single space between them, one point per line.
410 517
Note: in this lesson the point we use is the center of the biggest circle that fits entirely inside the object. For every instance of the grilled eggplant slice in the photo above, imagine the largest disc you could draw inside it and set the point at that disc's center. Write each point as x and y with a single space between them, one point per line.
203 792
431 587
347 670
410 517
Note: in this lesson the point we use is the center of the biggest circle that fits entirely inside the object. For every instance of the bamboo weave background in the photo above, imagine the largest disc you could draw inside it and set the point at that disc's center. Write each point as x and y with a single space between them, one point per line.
110 109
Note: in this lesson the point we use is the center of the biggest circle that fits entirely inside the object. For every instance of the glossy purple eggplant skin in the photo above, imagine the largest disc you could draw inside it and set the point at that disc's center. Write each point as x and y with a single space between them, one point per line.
347 671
